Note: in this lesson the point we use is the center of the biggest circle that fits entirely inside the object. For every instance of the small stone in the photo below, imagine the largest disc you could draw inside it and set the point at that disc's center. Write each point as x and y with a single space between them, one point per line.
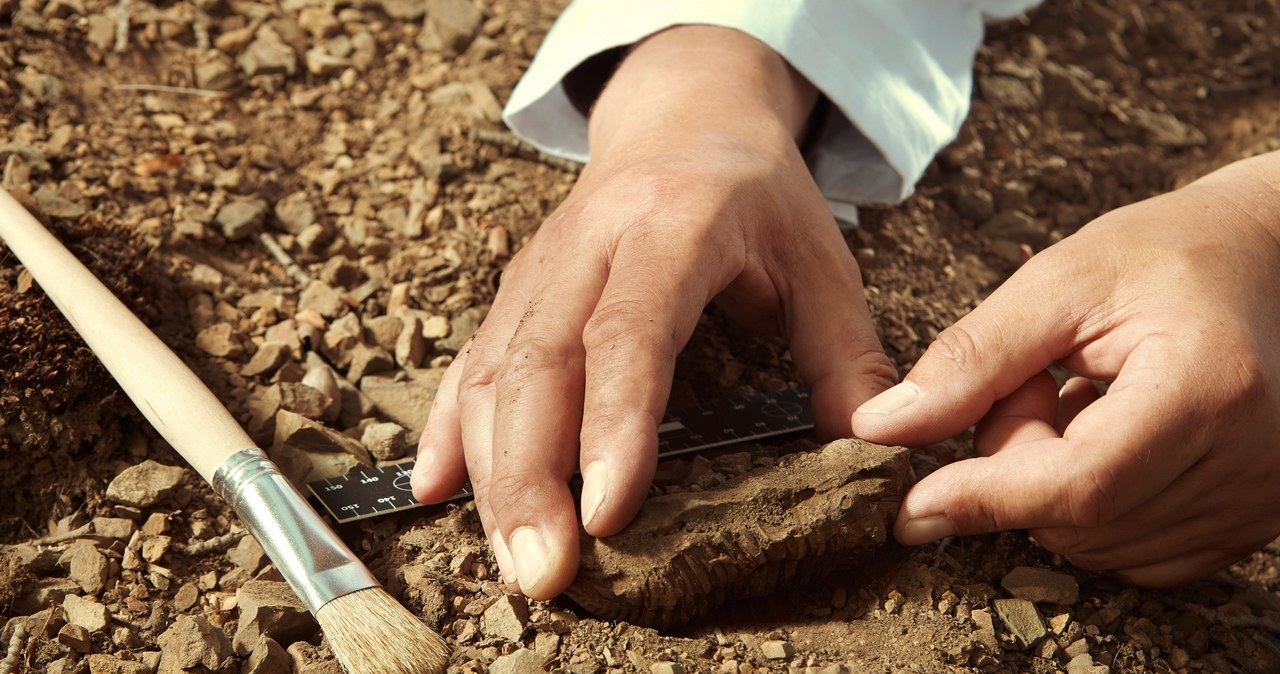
145 484
75 637
1059 623
186 597
405 402
1076 648
154 547
384 330
977 205
295 212
1178 658
268 55
1022 620
298 432
270 609
366 360
322 298
986 632
453 23
520 661
269 357
507 617
385 441
88 567
1080 664
1041 585
1014 226
666 667
435 327
777 650
220 340
321 378
114 527
267 657
410 347
247 555
101 31
215 74
109 664
241 218
86 613
193 642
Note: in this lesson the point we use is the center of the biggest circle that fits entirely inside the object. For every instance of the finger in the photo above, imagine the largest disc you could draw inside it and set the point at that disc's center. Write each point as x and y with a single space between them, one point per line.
1177 571
832 338
645 316
538 413
1077 394
1099 470
441 468
1023 416
1022 327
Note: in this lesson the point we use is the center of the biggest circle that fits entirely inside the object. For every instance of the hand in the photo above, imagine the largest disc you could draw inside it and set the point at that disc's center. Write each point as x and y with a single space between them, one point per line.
1174 472
696 190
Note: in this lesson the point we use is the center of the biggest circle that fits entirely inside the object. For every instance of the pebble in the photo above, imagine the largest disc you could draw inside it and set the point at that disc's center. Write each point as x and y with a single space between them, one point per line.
410 347
1083 664
117 528
986 632
405 402
88 567
215 73
977 205
75 637
154 547
435 327
666 667
270 609
107 664
268 55
321 298
268 358
367 360
241 218
520 661
247 555
220 340
295 212
321 377
386 441
145 484
507 618
1014 226
267 657
193 642
384 330
186 597
403 9
86 613
777 650
1041 585
300 433
1076 648
453 23
1022 620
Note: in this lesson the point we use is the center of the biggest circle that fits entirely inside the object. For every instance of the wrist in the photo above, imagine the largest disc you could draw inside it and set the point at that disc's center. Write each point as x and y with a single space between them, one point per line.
692 81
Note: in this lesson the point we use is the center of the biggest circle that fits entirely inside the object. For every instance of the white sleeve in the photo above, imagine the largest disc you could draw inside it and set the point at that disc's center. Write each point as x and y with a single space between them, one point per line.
899 71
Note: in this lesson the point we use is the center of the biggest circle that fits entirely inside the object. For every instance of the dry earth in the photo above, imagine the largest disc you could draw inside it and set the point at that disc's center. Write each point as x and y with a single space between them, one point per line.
362 138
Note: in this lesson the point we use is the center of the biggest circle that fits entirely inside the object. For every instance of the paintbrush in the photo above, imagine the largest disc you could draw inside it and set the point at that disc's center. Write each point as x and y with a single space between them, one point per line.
367 629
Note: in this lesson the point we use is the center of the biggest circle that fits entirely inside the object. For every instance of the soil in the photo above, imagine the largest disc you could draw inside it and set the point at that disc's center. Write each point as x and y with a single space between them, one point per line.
162 139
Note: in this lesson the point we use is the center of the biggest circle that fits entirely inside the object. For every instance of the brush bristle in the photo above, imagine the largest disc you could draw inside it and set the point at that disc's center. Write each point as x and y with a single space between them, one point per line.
371 633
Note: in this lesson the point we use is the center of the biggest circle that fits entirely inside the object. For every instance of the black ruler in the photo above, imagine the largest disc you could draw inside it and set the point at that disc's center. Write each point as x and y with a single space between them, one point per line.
382 490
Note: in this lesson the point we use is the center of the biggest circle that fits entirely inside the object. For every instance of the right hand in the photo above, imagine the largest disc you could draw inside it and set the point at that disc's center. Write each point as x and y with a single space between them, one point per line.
696 190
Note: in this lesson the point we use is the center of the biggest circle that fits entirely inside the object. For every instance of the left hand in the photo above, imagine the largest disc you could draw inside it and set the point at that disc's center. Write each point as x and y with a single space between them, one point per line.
1174 472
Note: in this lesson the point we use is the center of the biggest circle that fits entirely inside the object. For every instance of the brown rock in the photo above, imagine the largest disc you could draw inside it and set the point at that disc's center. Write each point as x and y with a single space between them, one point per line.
688 552
186 597
192 643
453 23
241 218
295 212
117 528
1041 585
87 566
321 377
145 484
270 610
86 613
410 347
269 356
507 617
385 441
323 299
384 330
247 555
367 360
299 432
109 664
221 340
155 547
75 637
520 661
405 402
777 650
1021 619
267 657
268 55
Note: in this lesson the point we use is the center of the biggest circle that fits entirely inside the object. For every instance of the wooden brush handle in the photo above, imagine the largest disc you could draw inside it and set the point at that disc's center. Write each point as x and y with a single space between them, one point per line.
167 392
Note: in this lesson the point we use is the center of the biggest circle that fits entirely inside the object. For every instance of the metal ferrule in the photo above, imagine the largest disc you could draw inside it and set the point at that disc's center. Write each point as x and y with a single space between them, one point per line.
315 562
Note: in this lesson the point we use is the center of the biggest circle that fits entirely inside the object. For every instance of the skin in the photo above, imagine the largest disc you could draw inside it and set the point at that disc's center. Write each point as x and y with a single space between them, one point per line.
1173 473
696 191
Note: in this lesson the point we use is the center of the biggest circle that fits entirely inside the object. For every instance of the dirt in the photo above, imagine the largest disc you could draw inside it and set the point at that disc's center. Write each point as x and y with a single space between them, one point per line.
366 144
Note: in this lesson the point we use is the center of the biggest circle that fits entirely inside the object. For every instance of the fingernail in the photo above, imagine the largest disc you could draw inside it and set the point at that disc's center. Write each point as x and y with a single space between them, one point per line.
530 553
891 400
506 568
594 488
926 530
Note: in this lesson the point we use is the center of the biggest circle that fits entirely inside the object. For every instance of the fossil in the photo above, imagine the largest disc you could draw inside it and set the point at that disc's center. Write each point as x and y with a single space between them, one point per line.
686 553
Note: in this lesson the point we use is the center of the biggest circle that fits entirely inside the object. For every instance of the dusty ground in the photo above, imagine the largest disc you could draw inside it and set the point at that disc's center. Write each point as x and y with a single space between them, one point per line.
365 141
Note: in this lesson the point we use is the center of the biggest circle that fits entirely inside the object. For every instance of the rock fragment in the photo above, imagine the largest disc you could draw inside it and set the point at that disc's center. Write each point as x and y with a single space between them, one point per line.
193 642
267 657
109 664
145 484
269 357
385 441
406 401
410 346
1021 619
87 566
453 23
295 212
75 637
507 617
269 609
86 613
241 218
1041 585
268 55
321 298
521 661
777 650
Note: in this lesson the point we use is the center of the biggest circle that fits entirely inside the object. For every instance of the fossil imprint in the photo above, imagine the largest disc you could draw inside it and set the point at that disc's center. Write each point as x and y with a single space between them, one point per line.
687 553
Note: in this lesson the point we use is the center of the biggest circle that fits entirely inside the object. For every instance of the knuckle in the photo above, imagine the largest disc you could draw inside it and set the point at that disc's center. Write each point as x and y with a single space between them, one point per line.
956 345
529 355
478 375
621 320
1069 541
1090 499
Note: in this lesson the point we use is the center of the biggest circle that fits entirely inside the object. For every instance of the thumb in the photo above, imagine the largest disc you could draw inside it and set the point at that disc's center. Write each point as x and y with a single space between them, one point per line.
983 357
